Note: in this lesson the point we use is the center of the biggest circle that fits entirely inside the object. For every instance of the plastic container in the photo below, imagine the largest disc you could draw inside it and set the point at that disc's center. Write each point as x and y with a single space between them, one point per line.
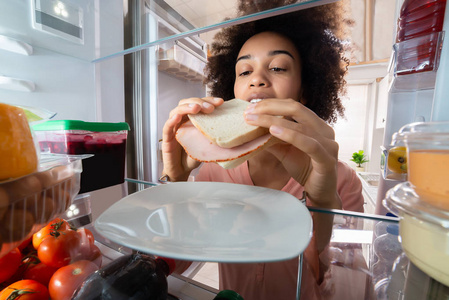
79 213
107 141
30 202
418 36
428 160
424 231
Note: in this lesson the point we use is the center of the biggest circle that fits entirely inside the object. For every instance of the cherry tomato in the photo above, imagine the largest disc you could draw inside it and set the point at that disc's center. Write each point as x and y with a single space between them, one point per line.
10 263
54 228
25 290
40 272
67 279
58 251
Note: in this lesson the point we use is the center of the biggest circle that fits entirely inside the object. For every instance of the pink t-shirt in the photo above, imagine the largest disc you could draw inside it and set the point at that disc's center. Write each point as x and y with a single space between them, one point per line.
278 280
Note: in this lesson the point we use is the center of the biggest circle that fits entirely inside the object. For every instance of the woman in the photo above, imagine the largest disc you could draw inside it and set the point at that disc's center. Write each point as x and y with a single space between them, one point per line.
294 63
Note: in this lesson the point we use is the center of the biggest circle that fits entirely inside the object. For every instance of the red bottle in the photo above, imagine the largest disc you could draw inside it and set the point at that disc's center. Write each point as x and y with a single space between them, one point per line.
419 23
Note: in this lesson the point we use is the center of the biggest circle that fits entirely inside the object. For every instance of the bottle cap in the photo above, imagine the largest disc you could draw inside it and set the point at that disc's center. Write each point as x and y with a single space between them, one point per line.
393 229
228 295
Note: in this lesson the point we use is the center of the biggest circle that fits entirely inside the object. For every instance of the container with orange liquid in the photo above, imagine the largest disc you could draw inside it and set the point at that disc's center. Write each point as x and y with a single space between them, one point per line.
428 160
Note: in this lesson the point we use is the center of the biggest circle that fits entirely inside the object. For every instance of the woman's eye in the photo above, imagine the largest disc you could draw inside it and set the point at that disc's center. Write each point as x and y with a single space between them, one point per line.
277 69
245 73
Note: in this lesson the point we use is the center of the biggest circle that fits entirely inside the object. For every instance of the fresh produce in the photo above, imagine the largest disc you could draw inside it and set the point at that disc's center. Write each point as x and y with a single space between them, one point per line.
66 280
397 160
135 276
25 290
58 257
18 156
9 264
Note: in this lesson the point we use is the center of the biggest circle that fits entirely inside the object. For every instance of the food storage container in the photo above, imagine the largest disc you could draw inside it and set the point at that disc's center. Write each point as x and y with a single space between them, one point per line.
28 203
106 141
427 146
424 231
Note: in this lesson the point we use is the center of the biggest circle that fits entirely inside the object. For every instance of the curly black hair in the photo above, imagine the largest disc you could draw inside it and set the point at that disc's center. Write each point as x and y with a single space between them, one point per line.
316 32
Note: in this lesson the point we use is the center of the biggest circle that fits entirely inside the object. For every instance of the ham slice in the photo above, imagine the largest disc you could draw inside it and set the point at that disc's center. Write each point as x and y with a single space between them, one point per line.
202 149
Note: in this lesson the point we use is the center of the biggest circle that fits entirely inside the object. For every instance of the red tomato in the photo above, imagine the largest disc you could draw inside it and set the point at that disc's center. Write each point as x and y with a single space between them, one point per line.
25 244
86 235
40 272
25 290
27 262
67 279
9 264
57 251
54 228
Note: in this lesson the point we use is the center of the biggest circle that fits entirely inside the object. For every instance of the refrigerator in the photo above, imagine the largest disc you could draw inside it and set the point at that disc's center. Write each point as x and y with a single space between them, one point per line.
418 89
133 60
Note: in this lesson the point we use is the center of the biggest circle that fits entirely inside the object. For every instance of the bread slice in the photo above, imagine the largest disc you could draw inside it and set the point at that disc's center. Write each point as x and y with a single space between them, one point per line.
226 126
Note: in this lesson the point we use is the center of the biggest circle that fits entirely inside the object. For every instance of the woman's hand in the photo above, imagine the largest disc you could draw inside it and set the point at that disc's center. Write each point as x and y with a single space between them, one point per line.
177 164
310 152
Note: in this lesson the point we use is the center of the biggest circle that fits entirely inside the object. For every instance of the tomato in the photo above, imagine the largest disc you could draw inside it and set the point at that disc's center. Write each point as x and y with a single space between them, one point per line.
10 263
25 290
57 251
27 262
86 235
25 244
40 272
67 279
54 228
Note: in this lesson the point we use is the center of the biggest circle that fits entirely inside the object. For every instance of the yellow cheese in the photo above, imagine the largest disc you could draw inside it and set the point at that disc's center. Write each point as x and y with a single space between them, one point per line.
18 155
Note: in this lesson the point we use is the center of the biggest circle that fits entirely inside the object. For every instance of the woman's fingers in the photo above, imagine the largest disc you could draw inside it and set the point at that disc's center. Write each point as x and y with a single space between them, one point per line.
266 113
196 105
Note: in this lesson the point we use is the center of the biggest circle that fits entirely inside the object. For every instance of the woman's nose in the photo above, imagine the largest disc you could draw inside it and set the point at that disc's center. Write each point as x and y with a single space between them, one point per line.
258 80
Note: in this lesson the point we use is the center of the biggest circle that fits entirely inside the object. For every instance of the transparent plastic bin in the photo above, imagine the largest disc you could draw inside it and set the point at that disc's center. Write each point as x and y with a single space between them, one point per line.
420 54
28 203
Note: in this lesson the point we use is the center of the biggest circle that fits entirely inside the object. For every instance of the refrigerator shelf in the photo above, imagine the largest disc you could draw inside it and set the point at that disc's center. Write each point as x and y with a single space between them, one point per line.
182 64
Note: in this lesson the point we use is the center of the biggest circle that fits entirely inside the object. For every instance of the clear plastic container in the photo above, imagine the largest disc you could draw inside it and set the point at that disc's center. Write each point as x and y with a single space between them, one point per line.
424 231
106 141
427 146
30 202
418 36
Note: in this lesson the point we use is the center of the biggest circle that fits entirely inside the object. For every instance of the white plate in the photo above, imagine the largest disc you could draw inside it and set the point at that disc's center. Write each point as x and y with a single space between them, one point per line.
208 221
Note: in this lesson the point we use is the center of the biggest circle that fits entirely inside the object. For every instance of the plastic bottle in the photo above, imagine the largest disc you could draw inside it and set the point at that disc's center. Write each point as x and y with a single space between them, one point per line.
387 248
228 295
135 276
420 20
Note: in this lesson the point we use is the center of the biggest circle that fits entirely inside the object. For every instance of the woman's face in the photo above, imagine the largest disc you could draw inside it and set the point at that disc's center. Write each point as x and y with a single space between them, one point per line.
268 66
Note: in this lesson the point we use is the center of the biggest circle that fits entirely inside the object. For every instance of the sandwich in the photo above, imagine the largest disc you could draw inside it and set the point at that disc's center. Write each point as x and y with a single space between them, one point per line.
223 136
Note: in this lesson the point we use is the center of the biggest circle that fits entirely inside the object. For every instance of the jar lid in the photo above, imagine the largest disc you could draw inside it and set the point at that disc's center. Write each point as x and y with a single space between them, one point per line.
53 125
421 131
403 199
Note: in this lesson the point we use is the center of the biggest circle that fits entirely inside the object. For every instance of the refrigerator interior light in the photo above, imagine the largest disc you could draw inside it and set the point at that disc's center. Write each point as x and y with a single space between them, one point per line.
59 18
16 46
16 84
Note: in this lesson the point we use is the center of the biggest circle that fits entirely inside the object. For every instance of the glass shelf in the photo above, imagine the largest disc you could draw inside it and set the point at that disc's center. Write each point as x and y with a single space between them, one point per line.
94 31
183 29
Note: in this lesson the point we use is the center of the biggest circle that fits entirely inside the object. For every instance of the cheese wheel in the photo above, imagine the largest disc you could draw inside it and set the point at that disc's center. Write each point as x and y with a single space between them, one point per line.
18 156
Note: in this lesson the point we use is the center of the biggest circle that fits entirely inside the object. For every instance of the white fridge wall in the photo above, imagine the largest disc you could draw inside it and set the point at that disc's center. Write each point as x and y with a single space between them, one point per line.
66 80
64 85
